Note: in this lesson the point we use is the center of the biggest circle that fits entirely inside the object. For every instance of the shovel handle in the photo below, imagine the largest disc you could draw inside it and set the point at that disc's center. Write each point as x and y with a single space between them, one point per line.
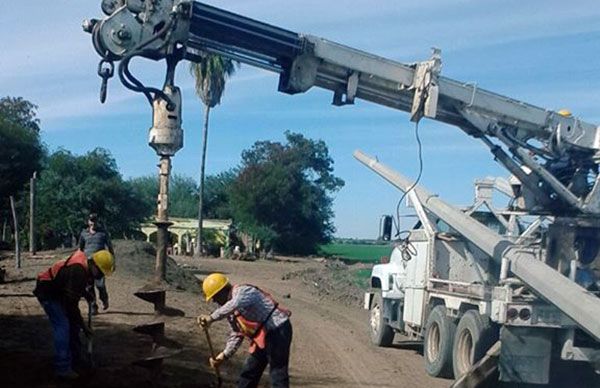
212 354
90 345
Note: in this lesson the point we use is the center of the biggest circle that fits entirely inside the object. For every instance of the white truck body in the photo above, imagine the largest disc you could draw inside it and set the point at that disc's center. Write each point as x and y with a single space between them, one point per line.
436 266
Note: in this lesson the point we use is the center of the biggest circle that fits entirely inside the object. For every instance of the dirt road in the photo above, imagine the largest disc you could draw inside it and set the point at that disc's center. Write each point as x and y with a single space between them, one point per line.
330 348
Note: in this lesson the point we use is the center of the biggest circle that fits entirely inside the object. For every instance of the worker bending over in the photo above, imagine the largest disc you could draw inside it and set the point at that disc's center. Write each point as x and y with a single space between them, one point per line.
59 289
252 313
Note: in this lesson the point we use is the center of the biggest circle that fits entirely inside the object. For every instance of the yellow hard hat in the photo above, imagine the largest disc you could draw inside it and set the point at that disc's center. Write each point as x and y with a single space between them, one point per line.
565 113
213 283
105 261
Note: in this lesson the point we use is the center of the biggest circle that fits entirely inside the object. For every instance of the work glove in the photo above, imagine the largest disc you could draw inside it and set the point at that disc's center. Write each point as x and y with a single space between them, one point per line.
204 320
216 361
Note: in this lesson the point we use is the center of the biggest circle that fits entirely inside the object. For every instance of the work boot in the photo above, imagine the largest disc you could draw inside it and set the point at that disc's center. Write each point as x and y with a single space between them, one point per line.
67 376
94 308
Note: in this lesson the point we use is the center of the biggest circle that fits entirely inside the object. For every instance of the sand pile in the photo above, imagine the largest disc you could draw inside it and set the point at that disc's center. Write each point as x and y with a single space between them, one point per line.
334 281
137 258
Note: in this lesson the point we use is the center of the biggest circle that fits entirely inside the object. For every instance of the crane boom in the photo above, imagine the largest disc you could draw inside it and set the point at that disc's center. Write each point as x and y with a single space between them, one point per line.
305 61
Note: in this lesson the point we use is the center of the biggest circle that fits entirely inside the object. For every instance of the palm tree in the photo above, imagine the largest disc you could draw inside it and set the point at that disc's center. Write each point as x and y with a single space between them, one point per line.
210 74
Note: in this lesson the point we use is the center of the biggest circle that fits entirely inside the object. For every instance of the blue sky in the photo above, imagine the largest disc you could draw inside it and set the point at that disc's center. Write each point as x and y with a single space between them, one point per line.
542 52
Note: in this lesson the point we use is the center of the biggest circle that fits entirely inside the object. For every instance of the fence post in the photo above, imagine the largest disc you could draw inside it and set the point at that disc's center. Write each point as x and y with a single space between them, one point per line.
32 242
16 225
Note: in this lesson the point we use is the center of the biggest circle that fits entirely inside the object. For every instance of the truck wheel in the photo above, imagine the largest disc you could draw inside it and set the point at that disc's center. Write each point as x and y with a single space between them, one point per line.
437 347
474 336
381 333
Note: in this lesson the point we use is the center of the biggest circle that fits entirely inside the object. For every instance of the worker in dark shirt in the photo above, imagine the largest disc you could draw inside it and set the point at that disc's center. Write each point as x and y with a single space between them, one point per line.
91 240
59 289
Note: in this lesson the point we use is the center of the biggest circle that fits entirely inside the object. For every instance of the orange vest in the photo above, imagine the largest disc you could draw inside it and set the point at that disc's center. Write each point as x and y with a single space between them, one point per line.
256 331
77 258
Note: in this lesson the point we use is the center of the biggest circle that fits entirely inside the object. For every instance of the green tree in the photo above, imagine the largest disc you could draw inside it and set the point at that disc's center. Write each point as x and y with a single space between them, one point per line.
210 75
183 194
73 186
20 112
217 192
146 189
21 150
283 194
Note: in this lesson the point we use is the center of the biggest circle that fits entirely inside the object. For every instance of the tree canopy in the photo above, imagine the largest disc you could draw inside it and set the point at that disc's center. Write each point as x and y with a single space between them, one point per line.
73 186
210 75
19 112
21 150
217 191
183 194
283 194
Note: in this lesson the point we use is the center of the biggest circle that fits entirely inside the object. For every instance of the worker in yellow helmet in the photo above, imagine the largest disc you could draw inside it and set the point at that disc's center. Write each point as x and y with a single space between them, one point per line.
59 289
252 313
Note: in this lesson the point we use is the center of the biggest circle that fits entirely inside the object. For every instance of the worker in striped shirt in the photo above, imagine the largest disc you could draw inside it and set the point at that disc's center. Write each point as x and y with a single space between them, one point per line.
252 313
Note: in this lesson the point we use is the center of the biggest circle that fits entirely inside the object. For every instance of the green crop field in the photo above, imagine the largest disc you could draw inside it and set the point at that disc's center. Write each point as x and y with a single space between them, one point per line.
367 253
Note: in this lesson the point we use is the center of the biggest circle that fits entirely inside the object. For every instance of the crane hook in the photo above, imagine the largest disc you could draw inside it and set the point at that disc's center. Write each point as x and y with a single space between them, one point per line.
106 69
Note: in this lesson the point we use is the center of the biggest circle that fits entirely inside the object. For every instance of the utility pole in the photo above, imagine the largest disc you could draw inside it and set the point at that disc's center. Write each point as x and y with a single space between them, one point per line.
32 245
16 226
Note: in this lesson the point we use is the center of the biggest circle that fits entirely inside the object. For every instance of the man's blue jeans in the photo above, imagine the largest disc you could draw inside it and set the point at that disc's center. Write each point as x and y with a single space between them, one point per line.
67 345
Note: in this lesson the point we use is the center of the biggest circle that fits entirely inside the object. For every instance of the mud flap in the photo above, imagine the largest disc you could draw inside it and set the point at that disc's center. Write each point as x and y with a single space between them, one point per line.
368 300
525 354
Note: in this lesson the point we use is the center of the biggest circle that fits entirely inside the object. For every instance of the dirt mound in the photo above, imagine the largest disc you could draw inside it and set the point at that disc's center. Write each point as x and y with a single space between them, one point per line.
334 281
138 258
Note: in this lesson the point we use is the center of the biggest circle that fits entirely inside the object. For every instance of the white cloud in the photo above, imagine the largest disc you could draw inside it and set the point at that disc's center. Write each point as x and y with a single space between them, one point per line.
87 104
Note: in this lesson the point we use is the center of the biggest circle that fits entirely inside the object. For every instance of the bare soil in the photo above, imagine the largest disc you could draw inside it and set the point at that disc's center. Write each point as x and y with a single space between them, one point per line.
331 346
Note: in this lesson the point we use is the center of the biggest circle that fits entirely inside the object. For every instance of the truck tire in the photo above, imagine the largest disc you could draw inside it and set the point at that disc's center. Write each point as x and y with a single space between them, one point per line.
474 336
381 333
437 347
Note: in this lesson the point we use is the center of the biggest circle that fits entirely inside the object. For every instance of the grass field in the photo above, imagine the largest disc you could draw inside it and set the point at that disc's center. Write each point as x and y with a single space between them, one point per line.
357 252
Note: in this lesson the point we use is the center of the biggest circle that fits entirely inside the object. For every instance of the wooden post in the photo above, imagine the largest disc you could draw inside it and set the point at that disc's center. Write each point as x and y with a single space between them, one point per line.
16 225
32 245
4 230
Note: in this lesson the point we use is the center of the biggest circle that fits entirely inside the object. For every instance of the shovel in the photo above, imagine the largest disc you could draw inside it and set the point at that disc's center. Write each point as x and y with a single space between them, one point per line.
212 354
90 340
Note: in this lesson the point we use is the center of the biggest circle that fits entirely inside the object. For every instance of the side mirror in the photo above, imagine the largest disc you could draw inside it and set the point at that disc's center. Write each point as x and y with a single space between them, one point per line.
385 228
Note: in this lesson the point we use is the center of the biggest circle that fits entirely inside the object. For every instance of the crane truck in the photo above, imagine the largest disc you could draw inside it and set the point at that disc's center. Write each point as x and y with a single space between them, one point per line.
460 281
